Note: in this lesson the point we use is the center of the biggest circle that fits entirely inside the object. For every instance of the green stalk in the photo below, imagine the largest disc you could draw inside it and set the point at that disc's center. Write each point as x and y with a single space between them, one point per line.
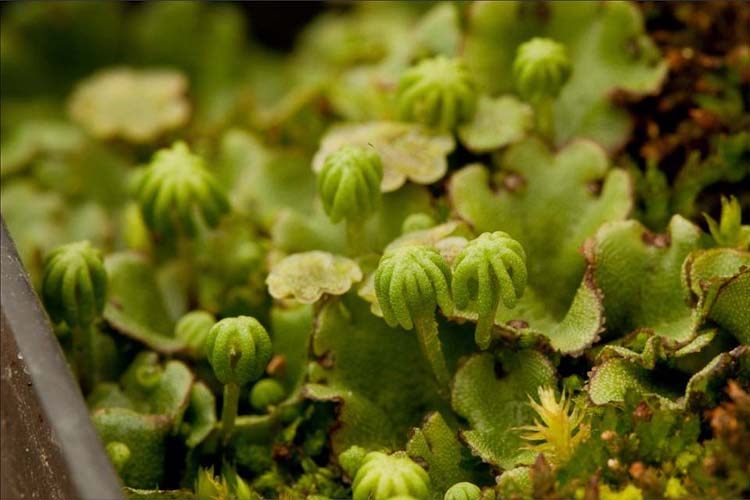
486 318
84 338
355 238
545 120
427 332
229 410
186 260
89 376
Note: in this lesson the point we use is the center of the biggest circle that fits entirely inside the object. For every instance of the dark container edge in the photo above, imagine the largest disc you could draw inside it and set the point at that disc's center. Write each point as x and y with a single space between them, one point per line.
89 473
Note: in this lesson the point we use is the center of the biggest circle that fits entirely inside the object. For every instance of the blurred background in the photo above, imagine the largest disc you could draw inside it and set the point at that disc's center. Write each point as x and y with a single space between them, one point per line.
289 69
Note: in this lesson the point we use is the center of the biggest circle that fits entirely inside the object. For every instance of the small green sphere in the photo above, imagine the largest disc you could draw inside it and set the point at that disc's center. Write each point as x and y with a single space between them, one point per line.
238 350
193 328
148 377
438 93
417 222
176 191
541 68
410 282
349 183
463 491
265 393
74 286
119 454
382 477
351 460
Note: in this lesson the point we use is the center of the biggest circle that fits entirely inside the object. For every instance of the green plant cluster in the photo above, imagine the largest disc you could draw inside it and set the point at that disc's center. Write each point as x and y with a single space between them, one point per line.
408 259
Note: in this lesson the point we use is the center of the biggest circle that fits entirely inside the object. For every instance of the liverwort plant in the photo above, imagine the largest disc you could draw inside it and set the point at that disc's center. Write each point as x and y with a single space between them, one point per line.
540 70
489 269
438 93
410 282
349 186
74 290
177 194
407 134
177 191
238 350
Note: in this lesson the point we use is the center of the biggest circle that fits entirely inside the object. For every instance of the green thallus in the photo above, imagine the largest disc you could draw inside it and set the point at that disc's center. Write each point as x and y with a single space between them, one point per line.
349 187
489 269
74 290
238 350
540 70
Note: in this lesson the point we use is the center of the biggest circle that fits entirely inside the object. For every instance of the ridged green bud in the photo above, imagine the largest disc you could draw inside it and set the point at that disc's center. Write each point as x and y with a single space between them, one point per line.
238 350
382 477
463 491
490 268
541 68
349 183
410 282
74 286
177 190
438 93
265 393
193 328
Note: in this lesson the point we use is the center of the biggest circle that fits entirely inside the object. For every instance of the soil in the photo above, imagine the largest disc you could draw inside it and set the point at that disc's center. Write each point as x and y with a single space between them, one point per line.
707 46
